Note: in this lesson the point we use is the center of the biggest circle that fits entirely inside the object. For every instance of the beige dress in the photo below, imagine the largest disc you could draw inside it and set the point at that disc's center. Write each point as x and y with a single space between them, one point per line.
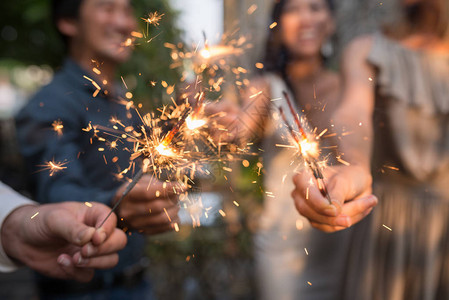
401 252
281 238
282 243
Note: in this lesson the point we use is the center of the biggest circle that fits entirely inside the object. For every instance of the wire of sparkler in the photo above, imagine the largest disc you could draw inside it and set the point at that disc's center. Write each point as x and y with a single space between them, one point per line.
169 137
318 174
128 189
295 116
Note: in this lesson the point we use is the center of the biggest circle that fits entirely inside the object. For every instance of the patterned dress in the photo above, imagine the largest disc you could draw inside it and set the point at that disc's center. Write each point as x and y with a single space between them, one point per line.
411 175
401 250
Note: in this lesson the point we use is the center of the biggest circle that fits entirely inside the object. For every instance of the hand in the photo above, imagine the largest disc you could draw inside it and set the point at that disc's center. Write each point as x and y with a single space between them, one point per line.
62 240
151 206
224 115
350 190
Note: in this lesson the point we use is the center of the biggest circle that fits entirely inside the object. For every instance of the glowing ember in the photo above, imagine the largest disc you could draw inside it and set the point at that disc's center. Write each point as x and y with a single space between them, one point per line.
54 167
387 227
153 18
309 149
57 126
165 150
219 51
193 123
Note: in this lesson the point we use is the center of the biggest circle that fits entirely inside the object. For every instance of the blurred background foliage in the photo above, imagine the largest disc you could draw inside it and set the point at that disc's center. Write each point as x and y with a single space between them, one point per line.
28 37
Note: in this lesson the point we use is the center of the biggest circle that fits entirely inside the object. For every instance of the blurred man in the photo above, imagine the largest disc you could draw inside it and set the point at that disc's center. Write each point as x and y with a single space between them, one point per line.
96 34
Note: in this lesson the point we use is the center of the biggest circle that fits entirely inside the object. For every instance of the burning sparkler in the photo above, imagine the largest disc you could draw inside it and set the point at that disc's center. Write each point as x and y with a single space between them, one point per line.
163 149
194 121
308 149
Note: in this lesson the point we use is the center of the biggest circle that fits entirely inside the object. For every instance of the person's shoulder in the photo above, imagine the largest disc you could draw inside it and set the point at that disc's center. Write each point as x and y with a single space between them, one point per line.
58 99
59 92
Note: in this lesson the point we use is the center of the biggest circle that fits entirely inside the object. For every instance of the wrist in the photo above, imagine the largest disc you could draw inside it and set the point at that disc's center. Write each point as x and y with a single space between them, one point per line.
13 230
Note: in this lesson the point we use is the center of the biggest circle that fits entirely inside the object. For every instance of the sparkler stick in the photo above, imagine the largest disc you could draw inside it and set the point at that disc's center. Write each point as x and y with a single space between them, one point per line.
171 134
128 189
310 160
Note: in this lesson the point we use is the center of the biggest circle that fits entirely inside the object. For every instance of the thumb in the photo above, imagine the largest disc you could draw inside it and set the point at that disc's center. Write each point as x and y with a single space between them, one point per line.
64 224
308 187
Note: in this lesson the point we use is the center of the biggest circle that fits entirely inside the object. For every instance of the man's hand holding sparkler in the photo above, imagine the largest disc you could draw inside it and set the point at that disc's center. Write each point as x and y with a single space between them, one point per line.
62 240
151 207
349 188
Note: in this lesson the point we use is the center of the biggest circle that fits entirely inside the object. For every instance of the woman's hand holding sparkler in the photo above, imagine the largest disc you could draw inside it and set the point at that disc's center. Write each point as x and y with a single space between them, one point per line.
350 190
226 114
151 207
62 240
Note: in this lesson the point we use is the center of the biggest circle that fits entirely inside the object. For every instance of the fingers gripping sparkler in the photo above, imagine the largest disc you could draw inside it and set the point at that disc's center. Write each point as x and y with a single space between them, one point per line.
304 145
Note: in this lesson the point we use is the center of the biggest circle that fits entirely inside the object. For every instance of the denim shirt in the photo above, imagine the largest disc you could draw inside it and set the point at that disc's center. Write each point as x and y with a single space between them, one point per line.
90 174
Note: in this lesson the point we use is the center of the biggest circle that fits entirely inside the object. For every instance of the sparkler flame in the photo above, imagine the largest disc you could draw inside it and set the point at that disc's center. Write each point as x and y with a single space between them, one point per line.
214 52
192 123
308 148
165 150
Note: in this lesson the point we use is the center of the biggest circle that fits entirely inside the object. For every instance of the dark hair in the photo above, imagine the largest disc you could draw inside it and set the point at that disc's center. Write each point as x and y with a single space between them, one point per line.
276 55
64 9
411 15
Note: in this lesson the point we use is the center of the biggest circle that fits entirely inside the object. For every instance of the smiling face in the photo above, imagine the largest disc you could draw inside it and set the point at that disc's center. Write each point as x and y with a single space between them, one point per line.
101 29
305 25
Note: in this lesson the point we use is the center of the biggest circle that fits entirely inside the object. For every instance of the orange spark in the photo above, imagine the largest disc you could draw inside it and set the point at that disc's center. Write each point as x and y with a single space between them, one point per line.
57 126
53 166
153 18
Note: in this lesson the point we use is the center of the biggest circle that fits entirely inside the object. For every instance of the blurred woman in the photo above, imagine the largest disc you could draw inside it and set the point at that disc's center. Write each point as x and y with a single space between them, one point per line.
294 62
395 103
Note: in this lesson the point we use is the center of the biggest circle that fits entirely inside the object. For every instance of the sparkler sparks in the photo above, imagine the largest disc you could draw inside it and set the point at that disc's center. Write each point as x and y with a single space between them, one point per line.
308 149
57 126
153 18
193 123
175 144
53 167
176 155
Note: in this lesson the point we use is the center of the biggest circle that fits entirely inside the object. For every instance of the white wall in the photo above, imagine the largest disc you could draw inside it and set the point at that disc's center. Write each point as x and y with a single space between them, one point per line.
197 16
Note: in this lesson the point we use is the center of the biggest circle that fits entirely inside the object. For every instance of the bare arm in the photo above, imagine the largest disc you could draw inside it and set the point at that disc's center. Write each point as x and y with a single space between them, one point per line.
349 186
353 118
245 121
